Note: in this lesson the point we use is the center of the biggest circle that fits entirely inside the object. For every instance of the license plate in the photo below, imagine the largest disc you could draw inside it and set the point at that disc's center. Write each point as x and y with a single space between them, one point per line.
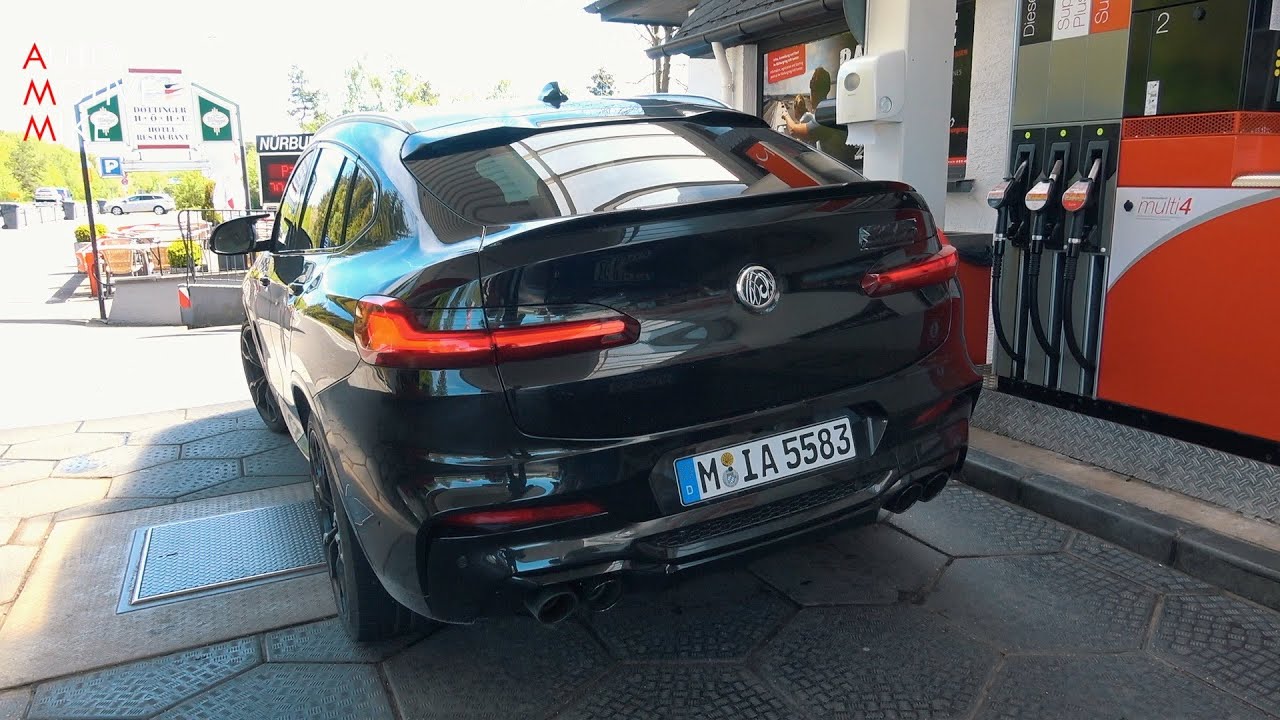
751 464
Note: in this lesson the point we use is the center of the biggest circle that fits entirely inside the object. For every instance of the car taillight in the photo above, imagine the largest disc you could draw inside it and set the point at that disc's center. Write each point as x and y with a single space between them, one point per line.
933 270
511 517
390 334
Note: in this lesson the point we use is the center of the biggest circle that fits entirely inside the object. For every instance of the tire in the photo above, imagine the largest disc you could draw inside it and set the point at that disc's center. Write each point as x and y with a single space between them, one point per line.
365 609
159 210
117 210
255 376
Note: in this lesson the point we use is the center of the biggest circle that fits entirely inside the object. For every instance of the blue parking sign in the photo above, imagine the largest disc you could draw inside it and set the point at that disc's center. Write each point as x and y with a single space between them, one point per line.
110 167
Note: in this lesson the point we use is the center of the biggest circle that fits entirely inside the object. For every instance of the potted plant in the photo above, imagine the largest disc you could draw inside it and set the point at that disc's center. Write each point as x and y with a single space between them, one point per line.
178 255
83 245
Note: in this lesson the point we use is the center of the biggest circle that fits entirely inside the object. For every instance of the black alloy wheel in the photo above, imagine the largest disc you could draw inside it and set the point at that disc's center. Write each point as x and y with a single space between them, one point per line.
256 377
367 611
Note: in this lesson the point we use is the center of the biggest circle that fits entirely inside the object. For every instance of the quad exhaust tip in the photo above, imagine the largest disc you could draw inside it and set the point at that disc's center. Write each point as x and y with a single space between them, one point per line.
552 605
558 603
919 491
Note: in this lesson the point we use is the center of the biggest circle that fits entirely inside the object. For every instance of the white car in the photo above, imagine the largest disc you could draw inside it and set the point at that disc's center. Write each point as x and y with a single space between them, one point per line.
157 203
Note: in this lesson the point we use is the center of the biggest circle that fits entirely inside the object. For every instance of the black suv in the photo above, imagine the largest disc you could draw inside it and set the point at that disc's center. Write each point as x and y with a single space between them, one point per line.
537 357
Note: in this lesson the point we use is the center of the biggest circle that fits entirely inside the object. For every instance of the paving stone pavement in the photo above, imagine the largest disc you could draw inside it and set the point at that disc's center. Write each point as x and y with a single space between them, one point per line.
966 607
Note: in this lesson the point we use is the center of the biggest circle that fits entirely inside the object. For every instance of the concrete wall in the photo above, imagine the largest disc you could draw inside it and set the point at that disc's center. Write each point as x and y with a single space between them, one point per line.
992 85
214 306
704 79
148 300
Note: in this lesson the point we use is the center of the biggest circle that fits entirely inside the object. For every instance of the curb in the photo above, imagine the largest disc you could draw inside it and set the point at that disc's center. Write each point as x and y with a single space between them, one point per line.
1236 566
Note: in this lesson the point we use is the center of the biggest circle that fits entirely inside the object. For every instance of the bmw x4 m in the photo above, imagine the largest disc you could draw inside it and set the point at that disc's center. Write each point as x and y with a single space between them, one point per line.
539 357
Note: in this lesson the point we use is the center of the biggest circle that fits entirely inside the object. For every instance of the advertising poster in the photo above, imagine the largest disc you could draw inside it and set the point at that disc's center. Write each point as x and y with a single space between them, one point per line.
957 157
796 79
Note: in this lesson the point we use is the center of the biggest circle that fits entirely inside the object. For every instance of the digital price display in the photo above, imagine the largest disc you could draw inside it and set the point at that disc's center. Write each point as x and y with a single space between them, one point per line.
274 171
277 154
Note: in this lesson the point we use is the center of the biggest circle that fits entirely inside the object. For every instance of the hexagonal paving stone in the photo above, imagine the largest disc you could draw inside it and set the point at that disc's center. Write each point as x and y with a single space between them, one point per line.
133 423
1130 686
174 479
231 410
64 446
686 691
235 444
246 484
281 461
710 617
108 506
1133 567
183 432
1229 642
14 436
507 668
13 472
327 642
144 687
14 561
13 703
875 565
317 692
117 461
877 662
964 522
7 527
1043 603
41 497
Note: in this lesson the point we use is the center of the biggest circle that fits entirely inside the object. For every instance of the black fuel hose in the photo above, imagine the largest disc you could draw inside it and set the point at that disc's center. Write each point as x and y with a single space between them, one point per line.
1037 326
997 318
1068 319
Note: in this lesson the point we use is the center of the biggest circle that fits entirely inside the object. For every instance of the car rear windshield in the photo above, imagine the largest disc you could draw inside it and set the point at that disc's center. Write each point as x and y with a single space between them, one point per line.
578 171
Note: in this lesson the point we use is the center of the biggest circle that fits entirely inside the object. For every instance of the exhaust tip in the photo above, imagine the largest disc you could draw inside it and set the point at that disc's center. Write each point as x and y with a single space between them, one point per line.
552 605
903 501
934 486
603 595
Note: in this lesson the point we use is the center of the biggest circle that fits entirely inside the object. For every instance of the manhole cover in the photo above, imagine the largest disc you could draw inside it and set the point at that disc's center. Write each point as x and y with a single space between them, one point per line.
201 557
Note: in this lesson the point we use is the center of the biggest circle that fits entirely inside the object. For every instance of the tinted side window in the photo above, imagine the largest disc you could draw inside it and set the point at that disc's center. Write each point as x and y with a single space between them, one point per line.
289 230
335 232
319 202
360 200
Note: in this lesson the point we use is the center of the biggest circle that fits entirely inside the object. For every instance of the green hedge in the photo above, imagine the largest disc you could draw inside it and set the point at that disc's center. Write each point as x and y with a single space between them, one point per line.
178 254
82 232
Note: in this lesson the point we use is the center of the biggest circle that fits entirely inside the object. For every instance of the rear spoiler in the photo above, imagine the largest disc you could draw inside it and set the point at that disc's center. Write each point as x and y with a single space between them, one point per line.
496 132
861 195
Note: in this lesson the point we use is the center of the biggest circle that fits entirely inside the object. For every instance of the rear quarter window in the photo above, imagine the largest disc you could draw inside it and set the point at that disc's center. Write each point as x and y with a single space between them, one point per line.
624 166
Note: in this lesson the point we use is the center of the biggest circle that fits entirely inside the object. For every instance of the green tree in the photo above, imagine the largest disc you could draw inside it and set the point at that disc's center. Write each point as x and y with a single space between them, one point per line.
501 91
255 182
602 83
24 163
369 91
409 90
306 104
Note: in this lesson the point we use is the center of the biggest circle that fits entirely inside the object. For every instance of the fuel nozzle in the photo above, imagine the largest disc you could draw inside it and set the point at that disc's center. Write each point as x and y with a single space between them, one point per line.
1003 198
1040 200
1079 201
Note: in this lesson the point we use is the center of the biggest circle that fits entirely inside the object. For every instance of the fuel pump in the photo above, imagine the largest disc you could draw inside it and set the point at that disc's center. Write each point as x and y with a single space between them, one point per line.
1011 227
1043 201
1082 203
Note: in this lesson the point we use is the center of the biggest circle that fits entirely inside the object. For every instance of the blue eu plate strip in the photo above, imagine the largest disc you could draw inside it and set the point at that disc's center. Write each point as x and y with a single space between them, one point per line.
688 479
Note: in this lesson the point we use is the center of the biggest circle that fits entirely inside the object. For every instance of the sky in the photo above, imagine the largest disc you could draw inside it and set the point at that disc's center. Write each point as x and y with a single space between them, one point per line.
243 50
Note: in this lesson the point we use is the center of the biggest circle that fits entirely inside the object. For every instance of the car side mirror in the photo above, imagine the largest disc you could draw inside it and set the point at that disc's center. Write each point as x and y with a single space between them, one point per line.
237 236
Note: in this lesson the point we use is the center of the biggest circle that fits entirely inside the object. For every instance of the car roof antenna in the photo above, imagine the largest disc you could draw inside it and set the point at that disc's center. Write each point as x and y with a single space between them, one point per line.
552 95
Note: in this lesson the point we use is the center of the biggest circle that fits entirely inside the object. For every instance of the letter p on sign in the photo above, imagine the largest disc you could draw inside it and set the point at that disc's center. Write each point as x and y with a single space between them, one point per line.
110 167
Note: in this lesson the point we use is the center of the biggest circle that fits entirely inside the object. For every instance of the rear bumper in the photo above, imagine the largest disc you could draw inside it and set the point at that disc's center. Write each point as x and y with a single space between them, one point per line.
486 576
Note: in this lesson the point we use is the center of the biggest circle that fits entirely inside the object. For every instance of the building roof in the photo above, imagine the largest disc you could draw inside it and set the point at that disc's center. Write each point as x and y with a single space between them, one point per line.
643 12
734 22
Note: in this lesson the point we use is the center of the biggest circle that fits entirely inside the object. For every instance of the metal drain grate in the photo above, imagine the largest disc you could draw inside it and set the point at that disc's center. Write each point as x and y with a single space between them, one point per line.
200 557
